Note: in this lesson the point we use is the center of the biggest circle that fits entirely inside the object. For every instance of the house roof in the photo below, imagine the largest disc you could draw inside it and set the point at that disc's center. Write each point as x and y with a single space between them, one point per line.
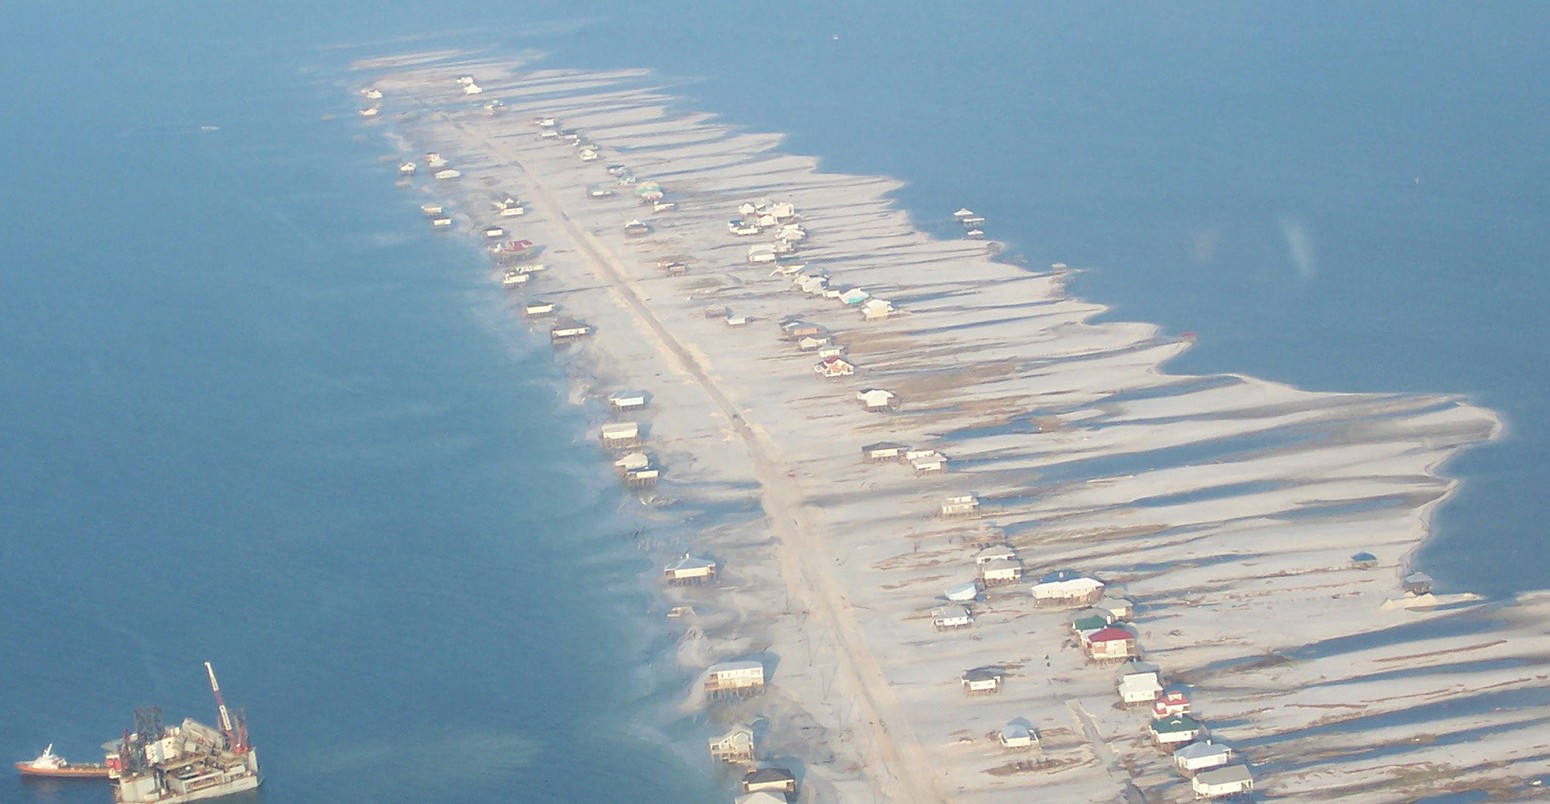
1202 749
1092 622
764 775
1110 634
728 667
690 562
1000 565
1015 731
998 551
883 445
1060 576
1230 774
982 674
949 612
1174 724
761 797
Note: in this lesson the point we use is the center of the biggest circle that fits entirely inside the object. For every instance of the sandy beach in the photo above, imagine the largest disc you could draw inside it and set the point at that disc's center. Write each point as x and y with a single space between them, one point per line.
1225 509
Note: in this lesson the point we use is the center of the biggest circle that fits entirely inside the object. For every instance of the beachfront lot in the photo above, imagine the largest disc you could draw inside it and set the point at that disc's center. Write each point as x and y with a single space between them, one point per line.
1227 507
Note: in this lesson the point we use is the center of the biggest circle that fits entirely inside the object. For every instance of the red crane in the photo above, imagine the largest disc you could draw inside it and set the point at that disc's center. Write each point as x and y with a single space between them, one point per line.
236 735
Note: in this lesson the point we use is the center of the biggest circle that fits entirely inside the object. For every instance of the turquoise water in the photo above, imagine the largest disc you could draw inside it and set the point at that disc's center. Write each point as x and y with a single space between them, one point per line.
254 414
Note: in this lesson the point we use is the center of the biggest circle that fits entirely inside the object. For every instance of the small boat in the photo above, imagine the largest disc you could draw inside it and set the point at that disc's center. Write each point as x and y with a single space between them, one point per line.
54 766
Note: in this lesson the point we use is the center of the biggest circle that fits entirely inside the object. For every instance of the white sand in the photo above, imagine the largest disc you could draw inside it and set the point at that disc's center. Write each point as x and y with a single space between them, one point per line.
1227 507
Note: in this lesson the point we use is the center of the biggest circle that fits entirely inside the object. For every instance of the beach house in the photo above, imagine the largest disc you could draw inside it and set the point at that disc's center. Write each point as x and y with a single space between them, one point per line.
773 780
965 505
513 278
538 308
835 366
1111 644
761 254
795 329
627 400
926 461
946 618
567 330
1364 561
854 296
877 400
1017 735
620 435
884 451
690 570
633 462
996 552
1089 621
1001 571
812 343
1200 755
1171 702
1175 730
738 679
1067 589
734 746
643 478
1418 583
981 680
1231 780
1118 608
636 228
875 309
1139 682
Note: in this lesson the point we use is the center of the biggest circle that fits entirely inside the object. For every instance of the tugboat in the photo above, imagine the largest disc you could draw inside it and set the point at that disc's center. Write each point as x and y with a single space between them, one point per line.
188 762
57 767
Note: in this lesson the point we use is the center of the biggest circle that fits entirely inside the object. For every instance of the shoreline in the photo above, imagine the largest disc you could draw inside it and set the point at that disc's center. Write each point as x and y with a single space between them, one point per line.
736 426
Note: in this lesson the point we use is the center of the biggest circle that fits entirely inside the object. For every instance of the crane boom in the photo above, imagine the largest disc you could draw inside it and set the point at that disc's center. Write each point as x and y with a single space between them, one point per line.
215 687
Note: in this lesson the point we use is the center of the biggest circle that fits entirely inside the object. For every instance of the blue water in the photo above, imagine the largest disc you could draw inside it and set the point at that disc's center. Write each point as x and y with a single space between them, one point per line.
252 413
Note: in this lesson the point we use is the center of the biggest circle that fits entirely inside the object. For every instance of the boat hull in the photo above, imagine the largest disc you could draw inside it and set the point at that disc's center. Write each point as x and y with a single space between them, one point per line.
66 772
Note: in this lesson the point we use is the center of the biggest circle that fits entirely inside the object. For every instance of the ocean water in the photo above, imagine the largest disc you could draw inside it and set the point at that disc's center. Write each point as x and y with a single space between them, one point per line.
251 412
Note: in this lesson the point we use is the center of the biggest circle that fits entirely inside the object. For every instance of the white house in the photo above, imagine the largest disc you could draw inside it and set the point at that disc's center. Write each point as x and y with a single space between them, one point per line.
964 505
1067 588
692 570
620 435
884 451
834 367
1202 754
762 253
930 462
734 746
568 330
945 617
1001 571
632 462
738 678
1118 608
877 399
627 400
998 552
1016 735
981 680
1175 731
536 308
875 309
1228 781
1139 682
